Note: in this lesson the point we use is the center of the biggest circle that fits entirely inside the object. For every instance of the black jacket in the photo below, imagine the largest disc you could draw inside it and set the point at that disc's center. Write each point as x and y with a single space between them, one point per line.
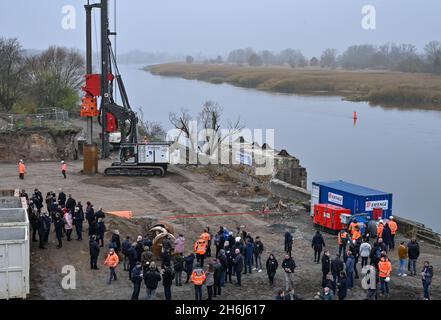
238 263
78 216
413 250
178 263
289 264
167 277
223 262
189 261
326 264
62 199
288 238
136 275
71 204
342 289
336 266
90 215
387 235
271 266
132 255
151 279
165 259
59 223
318 242
117 240
258 247
94 248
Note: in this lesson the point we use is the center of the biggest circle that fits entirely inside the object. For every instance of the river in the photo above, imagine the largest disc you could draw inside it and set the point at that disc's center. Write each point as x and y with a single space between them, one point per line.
394 150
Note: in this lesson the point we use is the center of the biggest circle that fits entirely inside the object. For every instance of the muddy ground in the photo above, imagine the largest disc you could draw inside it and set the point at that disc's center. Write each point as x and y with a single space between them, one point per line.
183 191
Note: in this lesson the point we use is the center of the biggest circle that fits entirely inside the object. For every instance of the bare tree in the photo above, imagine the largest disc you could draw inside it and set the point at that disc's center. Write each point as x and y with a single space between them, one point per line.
151 129
329 58
182 122
12 72
210 118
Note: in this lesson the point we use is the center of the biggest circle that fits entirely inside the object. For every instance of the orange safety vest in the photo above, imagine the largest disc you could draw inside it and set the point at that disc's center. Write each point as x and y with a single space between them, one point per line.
21 168
356 235
341 236
64 167
112 260
385 268
393 227
352 227
205 236
198 279
200 247
380 230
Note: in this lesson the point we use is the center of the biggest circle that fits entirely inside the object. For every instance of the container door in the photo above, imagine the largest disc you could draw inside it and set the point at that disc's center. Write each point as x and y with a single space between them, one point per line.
3 273
162 154
315 197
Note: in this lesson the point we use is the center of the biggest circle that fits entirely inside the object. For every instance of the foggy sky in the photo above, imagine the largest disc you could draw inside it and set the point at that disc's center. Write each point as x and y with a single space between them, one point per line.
218 26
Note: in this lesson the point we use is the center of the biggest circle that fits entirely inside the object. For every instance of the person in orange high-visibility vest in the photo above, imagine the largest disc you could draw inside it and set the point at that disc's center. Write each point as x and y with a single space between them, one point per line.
342 241
198 278
380 229
356 234
112 261
200 248
393 228
63 169
207 237
385 270
21 169
352 226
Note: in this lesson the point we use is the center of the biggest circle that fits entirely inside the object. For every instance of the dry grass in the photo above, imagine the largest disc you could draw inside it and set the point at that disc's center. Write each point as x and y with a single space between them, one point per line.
407 90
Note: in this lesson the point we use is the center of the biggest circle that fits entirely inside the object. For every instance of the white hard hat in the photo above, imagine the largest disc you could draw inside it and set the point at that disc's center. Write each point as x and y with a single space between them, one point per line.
387 279
381 221
391 218
238 239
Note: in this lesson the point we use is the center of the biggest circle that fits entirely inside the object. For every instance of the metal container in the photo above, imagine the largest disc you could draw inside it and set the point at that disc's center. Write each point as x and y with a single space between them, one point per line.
14 250
360 200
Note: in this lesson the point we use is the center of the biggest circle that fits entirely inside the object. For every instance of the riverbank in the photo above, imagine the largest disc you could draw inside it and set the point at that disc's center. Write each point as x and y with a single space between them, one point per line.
389 89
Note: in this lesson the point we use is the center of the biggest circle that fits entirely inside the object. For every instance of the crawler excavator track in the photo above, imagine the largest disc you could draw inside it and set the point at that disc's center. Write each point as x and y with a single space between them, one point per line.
135 171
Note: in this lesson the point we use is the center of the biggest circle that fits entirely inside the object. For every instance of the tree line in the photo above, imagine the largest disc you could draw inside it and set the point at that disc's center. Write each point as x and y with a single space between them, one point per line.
48 79
390 56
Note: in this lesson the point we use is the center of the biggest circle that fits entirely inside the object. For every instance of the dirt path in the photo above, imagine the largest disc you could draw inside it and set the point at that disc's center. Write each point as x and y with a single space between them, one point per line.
181 192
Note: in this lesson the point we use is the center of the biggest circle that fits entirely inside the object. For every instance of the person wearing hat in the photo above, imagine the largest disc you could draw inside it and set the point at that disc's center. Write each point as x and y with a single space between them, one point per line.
393 228
385 270
21 169
64 169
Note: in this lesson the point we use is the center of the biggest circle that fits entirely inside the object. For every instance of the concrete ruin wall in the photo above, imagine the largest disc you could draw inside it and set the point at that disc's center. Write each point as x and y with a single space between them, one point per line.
38 145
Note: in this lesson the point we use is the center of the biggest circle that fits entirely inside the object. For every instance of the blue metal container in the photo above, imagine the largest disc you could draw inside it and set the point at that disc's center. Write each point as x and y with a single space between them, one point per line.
361 200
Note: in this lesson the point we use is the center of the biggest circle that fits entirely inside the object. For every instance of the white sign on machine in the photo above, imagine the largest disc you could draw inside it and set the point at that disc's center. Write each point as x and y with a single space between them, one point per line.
335 198
382 204
315 197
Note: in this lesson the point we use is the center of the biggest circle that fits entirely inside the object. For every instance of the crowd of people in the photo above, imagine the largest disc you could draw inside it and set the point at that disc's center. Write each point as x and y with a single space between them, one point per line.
237 253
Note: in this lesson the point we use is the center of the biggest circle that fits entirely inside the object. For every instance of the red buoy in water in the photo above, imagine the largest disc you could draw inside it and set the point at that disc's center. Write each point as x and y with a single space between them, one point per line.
355 115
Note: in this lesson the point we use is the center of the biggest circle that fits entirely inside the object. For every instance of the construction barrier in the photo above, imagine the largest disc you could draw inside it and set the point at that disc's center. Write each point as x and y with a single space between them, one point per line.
122 214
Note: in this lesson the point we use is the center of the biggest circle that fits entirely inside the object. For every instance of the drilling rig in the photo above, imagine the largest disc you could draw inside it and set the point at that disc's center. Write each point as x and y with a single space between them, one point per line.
135 159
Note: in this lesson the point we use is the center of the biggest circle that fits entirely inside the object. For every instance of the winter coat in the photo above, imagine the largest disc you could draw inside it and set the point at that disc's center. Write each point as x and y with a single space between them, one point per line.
94 248
165 258
223 262
326 264
136 275
90 215
350 264
180 245
238 263
271 266
428 274
258 248
126 245
146 257
71 204
318 242
365 249
178 263
249 250
62 199
413 250
68 220
167 277
101 228
337 266
151 279
288 238
342 289
116 242
59 223
112 260
387 235
78 215
403 252
189 261
289 264
209 280
132 255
